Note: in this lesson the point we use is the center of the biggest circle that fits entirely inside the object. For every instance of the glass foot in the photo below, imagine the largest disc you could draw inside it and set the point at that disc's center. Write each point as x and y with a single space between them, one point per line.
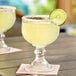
9 50
40 68
4 48
27 69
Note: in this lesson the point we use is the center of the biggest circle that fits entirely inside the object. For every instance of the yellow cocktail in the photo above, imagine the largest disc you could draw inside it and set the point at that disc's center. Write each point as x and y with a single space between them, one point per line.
40 32
7 19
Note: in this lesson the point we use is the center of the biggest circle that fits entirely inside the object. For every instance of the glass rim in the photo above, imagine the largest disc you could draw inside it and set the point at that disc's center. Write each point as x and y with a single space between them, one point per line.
31 18
7 7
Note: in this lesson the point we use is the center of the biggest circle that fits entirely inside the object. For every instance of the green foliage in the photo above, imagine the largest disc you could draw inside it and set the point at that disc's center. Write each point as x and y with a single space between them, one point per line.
44 8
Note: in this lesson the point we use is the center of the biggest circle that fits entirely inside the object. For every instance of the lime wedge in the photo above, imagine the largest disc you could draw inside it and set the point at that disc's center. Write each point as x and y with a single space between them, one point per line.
58 16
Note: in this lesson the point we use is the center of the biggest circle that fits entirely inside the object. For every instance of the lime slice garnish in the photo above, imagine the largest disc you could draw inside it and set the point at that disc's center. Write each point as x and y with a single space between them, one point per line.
58 16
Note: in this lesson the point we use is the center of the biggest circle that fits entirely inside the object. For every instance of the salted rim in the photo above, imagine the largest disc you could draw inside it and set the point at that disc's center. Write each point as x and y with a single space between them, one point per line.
29 18
6 8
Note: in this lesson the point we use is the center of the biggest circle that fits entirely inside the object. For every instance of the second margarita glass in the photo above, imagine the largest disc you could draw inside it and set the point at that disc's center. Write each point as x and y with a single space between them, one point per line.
7 20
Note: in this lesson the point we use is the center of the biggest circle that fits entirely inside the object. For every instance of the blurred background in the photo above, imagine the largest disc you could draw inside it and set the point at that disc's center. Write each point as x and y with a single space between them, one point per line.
25 7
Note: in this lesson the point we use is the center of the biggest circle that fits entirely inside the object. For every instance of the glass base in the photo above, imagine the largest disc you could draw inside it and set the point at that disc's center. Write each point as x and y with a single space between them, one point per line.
9 50
4 48
40 68
27 69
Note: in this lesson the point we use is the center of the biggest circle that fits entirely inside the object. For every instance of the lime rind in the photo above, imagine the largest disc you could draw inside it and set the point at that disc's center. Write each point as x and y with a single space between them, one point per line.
58 16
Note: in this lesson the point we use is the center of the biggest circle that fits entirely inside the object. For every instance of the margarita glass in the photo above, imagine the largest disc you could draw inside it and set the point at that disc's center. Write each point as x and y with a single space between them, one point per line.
40 32
7 20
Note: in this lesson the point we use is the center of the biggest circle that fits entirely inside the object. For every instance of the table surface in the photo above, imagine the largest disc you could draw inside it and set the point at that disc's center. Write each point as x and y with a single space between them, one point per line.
62 51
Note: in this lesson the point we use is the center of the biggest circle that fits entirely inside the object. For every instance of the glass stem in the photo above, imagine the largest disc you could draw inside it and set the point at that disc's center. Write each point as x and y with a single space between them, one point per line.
2 42
39 57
